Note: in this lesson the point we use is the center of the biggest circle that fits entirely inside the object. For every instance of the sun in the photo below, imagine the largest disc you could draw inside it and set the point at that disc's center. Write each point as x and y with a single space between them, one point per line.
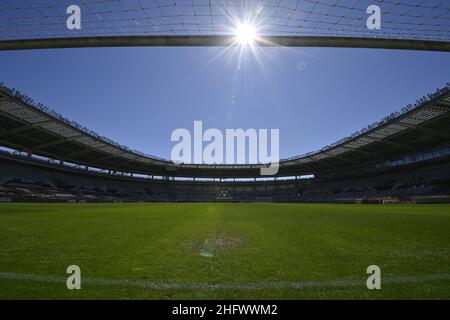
245 34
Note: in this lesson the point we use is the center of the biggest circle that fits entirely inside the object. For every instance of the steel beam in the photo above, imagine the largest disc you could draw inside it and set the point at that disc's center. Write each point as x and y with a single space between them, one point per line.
222 40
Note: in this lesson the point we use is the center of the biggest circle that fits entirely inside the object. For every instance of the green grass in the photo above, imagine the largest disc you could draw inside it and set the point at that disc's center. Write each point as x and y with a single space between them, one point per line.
258 244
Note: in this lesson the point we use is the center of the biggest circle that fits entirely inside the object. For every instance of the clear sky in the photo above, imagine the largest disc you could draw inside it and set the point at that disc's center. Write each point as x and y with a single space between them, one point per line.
138 96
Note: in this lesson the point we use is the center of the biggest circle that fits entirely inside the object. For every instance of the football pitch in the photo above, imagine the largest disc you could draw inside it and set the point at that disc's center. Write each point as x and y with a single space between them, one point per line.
224 251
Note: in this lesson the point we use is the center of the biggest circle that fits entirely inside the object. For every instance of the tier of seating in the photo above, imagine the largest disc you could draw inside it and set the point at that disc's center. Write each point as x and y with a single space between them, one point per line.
24 181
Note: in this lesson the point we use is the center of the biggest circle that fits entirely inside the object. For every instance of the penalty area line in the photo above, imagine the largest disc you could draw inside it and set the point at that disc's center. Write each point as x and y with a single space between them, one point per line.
256 285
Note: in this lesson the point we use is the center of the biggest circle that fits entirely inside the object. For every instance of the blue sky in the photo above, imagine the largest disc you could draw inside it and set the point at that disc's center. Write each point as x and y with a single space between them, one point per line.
138 96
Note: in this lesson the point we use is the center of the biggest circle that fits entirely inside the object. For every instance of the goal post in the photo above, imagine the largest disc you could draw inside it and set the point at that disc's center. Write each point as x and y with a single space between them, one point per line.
390 24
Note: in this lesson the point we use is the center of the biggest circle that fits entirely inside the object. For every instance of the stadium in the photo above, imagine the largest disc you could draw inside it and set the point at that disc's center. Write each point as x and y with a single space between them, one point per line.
141 226
400 159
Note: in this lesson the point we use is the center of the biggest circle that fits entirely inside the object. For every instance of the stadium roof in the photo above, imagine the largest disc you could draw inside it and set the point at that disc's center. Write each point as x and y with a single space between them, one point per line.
412 24
33 128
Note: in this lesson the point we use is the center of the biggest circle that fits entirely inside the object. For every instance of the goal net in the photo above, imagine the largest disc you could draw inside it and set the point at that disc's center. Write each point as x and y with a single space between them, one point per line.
408 19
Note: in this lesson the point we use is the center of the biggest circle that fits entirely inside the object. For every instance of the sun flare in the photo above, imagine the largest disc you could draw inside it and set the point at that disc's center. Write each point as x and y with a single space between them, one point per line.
246 34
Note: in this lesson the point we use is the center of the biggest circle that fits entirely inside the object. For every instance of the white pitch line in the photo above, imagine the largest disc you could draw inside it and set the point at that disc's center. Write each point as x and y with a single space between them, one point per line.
256 285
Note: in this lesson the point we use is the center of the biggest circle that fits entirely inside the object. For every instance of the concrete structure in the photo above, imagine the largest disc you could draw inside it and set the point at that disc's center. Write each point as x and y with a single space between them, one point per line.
34 130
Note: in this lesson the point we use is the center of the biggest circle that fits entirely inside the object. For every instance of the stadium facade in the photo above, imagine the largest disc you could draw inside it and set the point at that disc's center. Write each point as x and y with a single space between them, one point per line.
402 158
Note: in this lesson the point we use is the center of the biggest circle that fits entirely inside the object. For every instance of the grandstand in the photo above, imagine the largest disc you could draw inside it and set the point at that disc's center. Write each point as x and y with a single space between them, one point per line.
48 158
139 226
